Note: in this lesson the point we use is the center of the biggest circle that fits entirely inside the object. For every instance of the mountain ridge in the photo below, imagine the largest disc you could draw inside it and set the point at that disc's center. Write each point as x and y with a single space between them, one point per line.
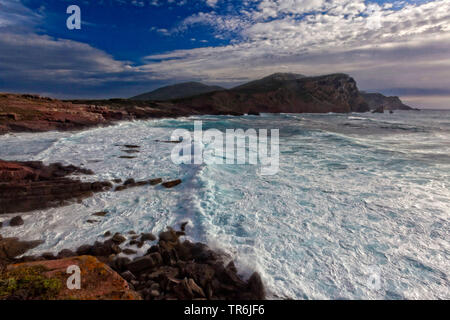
269 83
175 91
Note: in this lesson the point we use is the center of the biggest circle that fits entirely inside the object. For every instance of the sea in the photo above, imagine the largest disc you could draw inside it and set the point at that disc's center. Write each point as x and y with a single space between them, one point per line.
359 208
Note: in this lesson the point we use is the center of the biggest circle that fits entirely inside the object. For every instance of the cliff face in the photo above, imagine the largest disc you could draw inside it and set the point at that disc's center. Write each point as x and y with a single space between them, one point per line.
331 93
377 100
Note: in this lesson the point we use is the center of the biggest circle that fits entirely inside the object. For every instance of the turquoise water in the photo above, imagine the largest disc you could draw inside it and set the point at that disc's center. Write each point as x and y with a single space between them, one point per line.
357 197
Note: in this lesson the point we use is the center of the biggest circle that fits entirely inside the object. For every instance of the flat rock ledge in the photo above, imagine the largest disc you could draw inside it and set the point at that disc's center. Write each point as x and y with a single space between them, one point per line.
28 186
170 270
47 280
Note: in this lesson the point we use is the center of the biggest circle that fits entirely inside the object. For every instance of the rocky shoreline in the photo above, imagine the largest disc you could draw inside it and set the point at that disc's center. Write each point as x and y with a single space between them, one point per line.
170 270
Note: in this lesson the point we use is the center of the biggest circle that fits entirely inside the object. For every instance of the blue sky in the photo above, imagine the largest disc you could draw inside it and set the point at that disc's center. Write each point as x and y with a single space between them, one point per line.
128 47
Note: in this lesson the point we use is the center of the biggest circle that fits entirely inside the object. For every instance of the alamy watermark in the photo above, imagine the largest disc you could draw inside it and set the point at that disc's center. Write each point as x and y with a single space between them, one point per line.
74 281
74 20
235 146
374 282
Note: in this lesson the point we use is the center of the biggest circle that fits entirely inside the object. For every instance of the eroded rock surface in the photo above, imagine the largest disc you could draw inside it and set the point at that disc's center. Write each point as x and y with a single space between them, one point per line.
28 186
47 279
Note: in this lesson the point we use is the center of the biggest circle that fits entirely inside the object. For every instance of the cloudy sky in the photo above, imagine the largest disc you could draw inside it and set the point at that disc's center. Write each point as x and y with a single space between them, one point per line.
129 47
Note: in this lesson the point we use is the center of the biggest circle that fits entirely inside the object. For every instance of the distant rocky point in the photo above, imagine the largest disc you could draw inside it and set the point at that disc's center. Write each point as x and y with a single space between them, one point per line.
377 100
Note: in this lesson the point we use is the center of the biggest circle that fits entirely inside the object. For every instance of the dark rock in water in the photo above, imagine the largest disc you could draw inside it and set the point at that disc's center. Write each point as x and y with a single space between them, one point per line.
168 236
118 238
256 287
100 214
28 186
117 180
120 188
154 182
84 250
1 225
140 264
16 221
129 181
183 226
127 157
91 221
391 112
131 151
171 184
131 146
129 251
379 110
66 253
168 141
107 234
13 247
253 113
48 256
133 242
147 237
100 249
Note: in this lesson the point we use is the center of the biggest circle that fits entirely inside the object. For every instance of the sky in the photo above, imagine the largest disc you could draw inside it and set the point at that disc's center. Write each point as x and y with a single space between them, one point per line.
125 48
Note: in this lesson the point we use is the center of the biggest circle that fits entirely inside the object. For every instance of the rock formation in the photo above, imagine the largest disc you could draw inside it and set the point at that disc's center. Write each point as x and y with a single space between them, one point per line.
28 186
377 100
47 280
170 270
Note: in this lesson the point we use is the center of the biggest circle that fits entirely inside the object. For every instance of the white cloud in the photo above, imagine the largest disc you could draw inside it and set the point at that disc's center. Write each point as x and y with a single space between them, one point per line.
12 12
390 46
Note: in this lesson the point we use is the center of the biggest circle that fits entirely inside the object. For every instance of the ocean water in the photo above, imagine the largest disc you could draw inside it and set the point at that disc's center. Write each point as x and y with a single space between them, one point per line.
360 207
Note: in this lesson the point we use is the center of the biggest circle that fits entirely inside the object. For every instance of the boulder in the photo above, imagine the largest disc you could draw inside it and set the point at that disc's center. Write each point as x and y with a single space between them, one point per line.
118 238
129 181
140 264
10 248
66 253
256 287
16 221
147 237
154 182
46 280
171 184
84 250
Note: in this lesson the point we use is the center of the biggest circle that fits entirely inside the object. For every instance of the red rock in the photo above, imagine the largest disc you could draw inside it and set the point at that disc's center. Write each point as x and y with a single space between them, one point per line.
98 281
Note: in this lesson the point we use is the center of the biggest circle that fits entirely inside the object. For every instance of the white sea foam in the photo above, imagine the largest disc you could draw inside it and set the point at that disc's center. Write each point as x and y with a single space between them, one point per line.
347 200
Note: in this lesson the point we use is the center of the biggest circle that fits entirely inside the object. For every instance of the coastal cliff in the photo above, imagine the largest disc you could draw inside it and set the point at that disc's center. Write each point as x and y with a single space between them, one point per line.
332 93
377 100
